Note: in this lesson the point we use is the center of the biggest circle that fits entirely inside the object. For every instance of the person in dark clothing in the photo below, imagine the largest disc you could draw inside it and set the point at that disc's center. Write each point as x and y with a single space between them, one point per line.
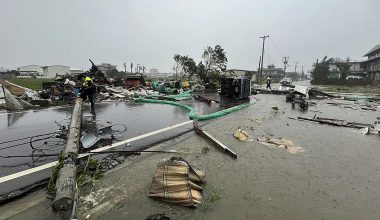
88 90
269 80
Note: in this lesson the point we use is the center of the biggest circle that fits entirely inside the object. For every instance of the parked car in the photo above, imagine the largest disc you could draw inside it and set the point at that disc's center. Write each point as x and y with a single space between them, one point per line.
354 77
286 81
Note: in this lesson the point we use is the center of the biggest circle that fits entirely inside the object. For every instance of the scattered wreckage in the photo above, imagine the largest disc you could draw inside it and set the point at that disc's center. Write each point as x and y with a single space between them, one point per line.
366 128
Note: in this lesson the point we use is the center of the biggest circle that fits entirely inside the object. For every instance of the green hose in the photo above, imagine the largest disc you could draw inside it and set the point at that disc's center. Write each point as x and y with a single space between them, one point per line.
192 114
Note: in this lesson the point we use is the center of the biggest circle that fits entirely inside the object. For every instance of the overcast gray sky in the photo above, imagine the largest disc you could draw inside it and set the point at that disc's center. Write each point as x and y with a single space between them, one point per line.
150 32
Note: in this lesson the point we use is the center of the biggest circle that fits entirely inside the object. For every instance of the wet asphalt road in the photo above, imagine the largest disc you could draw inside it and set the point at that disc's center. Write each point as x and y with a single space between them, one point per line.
336 177
138 117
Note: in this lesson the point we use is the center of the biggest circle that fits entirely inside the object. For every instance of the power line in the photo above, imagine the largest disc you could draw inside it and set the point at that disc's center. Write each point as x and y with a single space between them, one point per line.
276 47
5 142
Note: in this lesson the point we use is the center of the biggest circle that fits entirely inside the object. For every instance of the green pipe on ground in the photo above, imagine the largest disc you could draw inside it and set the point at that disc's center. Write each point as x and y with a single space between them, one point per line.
192 114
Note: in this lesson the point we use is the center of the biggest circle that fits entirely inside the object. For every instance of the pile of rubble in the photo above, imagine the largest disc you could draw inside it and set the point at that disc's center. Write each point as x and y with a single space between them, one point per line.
64 91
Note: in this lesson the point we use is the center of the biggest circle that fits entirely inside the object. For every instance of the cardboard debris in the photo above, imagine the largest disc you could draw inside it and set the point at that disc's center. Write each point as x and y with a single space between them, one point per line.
175 181
280 143
255 119
242 135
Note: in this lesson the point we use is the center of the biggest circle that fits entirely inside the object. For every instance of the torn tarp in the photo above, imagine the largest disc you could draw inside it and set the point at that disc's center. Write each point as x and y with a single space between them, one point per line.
177 182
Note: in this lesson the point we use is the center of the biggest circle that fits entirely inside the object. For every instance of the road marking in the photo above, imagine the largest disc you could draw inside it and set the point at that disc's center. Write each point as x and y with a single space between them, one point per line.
38 110
52 164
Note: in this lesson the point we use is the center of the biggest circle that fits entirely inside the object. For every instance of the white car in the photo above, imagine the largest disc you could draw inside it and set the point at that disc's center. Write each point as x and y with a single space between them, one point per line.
354 77
286 81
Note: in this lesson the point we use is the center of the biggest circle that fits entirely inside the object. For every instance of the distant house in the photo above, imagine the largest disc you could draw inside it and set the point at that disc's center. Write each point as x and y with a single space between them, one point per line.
104 67
273 71
30 71
356 68
372 65
134 80
55 71
8 75
76 72
239 72
153 71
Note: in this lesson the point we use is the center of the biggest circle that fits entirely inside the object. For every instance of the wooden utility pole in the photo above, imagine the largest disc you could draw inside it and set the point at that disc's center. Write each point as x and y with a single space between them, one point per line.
285 60
262 55
66 181
258 72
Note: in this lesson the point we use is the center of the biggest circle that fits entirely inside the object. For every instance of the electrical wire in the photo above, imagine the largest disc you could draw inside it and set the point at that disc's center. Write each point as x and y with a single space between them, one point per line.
29 142
5 142
102 152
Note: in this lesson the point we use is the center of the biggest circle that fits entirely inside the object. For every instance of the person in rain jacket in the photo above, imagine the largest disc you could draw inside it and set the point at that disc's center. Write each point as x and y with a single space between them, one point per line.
269 80
88 90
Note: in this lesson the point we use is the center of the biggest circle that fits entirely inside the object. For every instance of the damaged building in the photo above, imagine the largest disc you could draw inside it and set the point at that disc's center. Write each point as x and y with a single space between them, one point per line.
372 64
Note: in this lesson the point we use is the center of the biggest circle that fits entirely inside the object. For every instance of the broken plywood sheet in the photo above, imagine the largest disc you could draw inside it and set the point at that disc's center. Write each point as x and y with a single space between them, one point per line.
281 143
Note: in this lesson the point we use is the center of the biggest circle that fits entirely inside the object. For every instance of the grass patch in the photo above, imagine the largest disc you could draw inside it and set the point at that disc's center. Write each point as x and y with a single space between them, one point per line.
212 195
35 84
370 89
90 173
54 175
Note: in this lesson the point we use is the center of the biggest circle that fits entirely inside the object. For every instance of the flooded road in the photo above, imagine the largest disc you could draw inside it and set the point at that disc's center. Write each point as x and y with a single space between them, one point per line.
139 118
335 177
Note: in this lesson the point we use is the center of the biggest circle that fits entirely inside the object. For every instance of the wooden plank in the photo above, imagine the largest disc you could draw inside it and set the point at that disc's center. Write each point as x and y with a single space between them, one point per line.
219 144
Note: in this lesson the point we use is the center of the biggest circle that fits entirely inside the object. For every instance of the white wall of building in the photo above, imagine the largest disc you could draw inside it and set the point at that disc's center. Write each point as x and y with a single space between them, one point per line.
53 71
236 72
31 68
76 72
355 67
153 71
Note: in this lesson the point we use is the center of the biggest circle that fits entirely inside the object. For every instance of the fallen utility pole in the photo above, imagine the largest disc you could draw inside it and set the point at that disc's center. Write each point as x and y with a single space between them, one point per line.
336 122
66 180
219 144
